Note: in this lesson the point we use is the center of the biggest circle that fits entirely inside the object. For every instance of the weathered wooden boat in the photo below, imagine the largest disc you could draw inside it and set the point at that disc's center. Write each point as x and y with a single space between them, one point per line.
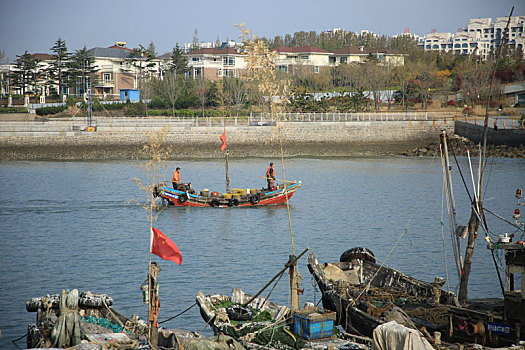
67 319
365 294
258 323
187 197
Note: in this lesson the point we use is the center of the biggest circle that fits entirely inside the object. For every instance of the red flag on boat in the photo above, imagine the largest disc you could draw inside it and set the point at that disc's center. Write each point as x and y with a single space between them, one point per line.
164 247
223 139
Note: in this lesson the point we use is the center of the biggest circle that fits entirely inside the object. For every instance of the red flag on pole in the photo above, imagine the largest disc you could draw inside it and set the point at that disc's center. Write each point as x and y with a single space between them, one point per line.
164 247
223 139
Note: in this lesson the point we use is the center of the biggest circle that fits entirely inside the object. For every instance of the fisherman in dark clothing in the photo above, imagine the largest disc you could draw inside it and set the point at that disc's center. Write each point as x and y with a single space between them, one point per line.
270 177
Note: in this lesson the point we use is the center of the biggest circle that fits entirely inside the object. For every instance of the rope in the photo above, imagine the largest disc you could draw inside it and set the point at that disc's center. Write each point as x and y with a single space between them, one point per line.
177 315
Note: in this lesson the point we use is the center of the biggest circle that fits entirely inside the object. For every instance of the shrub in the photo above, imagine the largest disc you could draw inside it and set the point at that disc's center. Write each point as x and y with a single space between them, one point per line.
452 103
12 110
50 110
493 104
71 101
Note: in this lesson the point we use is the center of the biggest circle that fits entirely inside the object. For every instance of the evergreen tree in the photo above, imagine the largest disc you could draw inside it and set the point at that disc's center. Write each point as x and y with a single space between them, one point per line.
58 67
179 62
26 72
81 68
195 42
151 51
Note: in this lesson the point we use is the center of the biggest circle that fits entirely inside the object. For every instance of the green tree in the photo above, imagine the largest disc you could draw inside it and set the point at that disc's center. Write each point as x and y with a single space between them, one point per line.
179 62
81 69
26 72
58 67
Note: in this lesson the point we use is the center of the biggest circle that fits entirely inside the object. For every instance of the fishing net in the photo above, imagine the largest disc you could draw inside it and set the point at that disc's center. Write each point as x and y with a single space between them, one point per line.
66 331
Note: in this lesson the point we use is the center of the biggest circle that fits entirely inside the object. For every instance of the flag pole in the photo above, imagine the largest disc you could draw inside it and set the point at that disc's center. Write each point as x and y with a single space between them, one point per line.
152 330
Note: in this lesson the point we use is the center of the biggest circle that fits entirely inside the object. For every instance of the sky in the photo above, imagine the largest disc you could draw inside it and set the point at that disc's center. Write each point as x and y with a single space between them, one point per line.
35 25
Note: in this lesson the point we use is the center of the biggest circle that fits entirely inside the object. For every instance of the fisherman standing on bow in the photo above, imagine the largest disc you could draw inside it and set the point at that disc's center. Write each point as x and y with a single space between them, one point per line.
270 177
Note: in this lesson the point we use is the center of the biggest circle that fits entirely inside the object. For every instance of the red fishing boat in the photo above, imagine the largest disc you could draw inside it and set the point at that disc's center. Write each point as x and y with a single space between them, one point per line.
184 196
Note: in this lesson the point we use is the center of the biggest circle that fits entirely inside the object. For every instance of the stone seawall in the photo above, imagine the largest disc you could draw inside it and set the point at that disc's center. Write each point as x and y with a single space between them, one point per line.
313 139
508 137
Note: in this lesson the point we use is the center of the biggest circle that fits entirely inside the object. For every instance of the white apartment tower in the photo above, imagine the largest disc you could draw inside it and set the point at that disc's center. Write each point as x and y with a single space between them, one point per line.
481 37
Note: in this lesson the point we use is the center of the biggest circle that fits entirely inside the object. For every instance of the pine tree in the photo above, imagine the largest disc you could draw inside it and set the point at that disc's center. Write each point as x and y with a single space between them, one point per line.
81 68
26 72
58 68
179 62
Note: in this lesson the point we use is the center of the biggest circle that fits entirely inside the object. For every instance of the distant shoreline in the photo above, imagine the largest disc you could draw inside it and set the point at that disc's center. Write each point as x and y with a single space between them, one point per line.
108 148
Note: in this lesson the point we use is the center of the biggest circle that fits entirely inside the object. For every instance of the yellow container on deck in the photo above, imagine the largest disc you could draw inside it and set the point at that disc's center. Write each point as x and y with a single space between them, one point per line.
227 195
254 191
240 191
237 195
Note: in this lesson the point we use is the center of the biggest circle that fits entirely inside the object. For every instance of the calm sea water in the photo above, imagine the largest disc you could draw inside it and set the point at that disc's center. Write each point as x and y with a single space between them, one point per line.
68 225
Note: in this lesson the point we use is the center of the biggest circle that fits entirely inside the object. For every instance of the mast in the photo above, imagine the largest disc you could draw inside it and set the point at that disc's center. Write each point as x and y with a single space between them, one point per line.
477 210
227 174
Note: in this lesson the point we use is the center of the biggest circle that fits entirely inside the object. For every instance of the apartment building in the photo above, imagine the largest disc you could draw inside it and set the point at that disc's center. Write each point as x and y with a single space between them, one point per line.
215 63
481 37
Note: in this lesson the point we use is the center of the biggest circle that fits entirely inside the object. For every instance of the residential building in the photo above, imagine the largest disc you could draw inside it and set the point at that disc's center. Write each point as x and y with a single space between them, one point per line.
215 63
119 68
210 45
359 54
481 37
288 57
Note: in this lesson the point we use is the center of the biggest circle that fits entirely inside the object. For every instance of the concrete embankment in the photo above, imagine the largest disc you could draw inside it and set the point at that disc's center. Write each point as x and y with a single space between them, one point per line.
308 139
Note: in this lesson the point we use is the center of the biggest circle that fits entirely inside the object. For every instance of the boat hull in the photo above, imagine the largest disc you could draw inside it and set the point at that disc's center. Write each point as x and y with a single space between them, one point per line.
263 198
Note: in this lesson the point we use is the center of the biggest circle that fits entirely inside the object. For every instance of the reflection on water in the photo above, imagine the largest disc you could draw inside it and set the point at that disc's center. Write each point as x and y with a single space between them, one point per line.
71 225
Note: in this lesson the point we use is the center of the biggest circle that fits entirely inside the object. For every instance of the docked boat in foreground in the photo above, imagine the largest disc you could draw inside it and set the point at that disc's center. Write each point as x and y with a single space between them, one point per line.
258 323
187 197
365 295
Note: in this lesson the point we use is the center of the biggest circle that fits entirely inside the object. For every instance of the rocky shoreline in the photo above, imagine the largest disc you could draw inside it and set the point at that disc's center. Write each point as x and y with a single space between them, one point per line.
459 145
107 148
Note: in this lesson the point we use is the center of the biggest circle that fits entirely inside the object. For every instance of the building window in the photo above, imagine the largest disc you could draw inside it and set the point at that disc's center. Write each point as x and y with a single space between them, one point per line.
106 77
344 59
305 57
195 59
228 61
229 72
435 46
220 72
316 69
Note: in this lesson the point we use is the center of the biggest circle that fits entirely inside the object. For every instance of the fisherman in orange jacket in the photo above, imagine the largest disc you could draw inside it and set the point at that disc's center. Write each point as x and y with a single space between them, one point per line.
270 177
175 180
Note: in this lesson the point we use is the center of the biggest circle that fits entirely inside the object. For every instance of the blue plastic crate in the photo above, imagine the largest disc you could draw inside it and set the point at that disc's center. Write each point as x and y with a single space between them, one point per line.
314 323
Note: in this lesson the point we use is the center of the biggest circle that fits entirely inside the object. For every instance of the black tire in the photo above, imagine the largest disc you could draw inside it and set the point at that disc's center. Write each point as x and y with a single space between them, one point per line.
358 253
155 191
214 203
255 199
182 187
183 198
239 313
233 202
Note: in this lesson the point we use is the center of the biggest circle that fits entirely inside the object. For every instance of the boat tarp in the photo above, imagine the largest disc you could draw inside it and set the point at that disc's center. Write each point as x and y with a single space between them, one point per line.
392 335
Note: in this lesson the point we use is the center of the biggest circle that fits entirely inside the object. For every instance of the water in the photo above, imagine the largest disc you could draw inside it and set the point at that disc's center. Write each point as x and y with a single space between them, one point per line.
72 225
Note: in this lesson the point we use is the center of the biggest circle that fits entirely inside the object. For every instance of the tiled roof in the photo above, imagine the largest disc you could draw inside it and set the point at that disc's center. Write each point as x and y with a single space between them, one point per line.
42 56
113 52
215 51
300 49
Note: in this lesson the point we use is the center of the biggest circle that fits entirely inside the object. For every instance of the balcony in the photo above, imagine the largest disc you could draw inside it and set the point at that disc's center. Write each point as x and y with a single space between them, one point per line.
104 83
